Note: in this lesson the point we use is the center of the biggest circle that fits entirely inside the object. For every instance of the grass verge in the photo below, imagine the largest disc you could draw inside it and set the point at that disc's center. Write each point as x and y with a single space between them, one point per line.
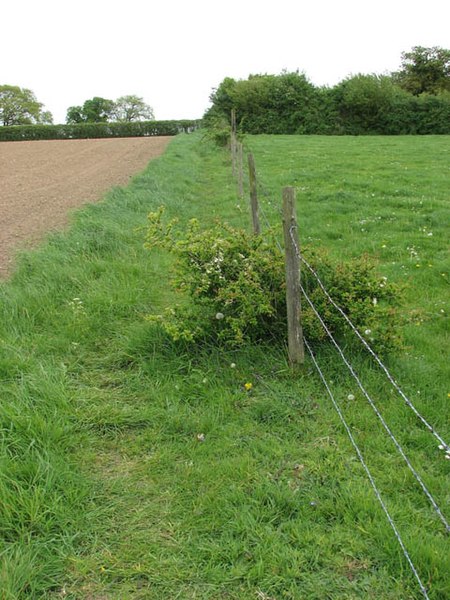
133 468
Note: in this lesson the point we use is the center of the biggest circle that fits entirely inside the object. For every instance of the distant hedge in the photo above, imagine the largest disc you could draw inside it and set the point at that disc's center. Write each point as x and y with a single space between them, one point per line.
96 130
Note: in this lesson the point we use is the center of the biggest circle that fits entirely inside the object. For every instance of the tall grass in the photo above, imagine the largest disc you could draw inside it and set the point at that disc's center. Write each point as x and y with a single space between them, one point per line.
136 468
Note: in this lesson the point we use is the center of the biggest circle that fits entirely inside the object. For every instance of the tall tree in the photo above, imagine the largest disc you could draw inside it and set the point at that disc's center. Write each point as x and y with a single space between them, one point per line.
95 110
132 108
424 70
19 106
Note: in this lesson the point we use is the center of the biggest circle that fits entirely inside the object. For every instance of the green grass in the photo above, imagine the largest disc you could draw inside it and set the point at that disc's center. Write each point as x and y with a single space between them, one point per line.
106 490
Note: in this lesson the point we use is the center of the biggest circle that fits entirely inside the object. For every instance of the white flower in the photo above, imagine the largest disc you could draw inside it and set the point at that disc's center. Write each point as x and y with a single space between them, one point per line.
350 397
374 301
233 365
367 332
219 316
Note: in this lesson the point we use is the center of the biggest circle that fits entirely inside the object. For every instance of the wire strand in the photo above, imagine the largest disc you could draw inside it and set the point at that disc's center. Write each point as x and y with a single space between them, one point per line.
373 354
379 415
368 473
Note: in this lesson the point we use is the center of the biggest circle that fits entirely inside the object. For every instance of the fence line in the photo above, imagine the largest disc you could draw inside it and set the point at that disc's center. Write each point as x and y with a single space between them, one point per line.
371 402
366 468
442 444
399 448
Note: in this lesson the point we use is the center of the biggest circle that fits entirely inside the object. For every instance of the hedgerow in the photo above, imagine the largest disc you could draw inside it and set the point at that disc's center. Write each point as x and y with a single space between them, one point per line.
97 130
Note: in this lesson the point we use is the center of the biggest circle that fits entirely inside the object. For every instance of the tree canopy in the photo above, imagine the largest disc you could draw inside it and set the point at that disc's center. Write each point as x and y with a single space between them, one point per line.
132 108
425 70
101 110
95 110
415 100
19 106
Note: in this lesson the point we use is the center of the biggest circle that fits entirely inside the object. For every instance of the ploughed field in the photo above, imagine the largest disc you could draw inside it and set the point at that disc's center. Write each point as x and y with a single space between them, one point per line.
41 181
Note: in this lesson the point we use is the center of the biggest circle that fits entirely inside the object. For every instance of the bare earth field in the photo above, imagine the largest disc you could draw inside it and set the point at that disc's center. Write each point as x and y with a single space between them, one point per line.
41 181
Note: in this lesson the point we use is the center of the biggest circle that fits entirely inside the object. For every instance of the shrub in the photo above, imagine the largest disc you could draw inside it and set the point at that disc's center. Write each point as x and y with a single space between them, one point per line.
234 284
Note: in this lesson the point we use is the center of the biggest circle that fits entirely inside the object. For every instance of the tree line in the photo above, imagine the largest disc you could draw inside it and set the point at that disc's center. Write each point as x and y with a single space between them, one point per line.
413 100
19 106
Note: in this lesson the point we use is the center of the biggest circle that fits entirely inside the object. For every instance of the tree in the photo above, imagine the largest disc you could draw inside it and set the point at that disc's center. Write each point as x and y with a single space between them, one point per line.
132 108
19 106
285 103
95 110
424 70
363 102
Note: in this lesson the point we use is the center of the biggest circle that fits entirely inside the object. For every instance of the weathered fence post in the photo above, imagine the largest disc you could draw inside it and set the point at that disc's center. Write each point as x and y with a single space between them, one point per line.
253 195
292 262
233 140
240 168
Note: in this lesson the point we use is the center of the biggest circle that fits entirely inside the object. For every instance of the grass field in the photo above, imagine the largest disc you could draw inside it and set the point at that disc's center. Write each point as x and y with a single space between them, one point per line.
135 468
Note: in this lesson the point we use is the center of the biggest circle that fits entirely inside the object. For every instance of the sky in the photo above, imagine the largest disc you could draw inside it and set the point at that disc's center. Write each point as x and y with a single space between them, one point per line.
173 53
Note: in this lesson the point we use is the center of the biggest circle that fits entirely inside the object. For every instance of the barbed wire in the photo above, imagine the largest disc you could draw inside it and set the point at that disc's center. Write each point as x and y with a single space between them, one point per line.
379 415
443 445
366 468
377 359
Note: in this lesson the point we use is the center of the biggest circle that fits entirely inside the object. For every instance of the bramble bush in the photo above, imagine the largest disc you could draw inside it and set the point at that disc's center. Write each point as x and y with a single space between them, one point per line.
233 286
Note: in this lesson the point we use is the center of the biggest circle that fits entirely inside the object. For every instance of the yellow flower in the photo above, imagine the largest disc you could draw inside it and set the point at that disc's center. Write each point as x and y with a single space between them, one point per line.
248 386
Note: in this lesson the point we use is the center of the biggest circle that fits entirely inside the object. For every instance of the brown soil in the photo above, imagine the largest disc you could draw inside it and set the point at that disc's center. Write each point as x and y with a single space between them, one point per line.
41 181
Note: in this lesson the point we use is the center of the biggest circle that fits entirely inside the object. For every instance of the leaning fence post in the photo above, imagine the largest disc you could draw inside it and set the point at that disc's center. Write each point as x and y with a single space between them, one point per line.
292 261
253 195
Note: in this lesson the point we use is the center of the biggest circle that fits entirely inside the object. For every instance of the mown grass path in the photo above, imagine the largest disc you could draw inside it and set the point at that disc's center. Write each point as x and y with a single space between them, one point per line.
134 468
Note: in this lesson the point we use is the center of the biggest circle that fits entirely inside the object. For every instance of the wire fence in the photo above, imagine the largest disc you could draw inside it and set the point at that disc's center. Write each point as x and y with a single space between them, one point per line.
442 444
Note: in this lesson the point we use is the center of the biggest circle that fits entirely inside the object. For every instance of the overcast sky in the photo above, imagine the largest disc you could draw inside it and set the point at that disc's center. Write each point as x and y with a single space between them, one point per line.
173 52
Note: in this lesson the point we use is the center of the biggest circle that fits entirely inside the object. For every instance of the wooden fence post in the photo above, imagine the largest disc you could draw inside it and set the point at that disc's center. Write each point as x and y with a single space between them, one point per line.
233 140
253 195
292 261
240 168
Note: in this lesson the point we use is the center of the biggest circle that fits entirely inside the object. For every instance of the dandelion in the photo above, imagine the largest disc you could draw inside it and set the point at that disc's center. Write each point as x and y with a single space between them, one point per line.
367 332
350 397
248 386
219 316
233 365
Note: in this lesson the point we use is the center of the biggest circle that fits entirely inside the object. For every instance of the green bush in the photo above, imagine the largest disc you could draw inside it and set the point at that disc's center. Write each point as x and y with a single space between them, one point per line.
97 130
359 105
234 284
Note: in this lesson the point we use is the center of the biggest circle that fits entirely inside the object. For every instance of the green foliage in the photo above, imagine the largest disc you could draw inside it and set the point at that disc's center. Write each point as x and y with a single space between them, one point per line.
236 282
97 130
19 106
132 108
363 101
100 110
96 110
361 104
286 103
425 70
